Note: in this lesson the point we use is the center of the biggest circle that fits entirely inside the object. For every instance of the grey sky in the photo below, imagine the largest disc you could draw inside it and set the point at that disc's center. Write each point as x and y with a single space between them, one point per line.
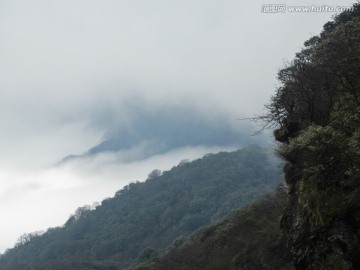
68 65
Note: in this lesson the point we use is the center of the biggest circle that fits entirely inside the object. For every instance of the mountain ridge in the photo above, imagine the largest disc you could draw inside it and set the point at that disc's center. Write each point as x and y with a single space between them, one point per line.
152 214
144 131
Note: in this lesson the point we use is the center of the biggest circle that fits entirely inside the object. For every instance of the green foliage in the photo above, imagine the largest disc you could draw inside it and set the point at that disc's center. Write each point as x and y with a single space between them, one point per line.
145 217
321 153
317 109
249 239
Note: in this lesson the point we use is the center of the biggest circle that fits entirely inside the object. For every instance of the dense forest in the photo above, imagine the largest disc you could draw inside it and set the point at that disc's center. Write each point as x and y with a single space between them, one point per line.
317 111
173 220
145 217
250 239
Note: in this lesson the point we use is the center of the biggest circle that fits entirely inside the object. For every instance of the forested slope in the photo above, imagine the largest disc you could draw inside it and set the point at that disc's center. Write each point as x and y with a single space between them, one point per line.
250 239
145 217
317 111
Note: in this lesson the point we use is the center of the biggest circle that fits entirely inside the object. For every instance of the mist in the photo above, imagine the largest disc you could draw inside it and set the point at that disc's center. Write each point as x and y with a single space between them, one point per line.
95 94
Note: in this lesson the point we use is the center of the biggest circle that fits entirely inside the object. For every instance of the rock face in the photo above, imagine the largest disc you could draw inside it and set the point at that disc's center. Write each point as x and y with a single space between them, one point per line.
321 218
317 108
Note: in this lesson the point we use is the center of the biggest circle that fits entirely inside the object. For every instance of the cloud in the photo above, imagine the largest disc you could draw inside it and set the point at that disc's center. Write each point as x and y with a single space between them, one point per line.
46 198
75 74
67 56
68 66
143 129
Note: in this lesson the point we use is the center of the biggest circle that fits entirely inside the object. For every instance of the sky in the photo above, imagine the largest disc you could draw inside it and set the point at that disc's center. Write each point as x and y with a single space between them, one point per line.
76 73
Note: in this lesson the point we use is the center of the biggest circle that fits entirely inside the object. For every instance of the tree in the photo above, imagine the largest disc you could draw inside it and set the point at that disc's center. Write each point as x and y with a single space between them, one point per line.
317 111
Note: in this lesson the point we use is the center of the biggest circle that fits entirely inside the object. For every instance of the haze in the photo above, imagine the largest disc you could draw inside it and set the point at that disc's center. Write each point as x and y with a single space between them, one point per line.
75 74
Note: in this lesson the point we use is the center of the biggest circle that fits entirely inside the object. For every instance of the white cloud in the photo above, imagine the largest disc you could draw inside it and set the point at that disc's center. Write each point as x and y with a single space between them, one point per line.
66 66
42 199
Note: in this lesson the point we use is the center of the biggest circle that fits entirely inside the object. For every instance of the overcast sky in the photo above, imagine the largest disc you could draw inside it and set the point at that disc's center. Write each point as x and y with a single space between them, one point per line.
67 67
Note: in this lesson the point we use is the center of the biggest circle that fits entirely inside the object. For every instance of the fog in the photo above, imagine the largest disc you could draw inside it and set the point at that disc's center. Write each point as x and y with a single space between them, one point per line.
74 74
